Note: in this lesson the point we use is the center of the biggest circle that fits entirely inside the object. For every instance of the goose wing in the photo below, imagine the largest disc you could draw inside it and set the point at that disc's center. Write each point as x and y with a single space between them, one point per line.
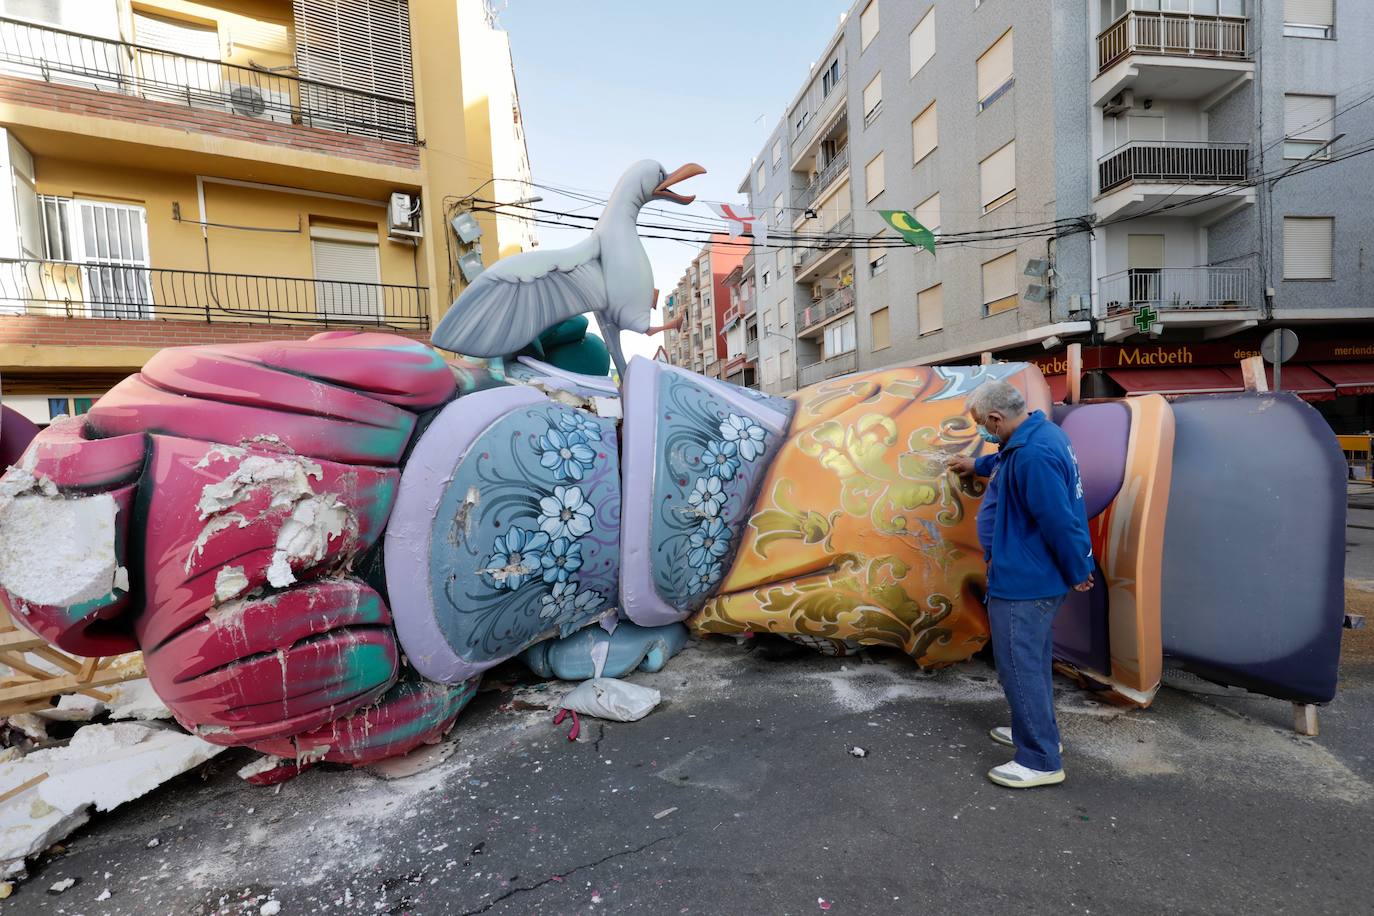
516 299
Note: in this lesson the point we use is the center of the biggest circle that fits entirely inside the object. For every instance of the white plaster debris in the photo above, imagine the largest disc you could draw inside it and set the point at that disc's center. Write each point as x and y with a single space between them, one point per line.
270 908
60 886
287 478
56 551
213 527
609 408
306 535
104 895
136 700
221 453
261 765
230 581
74 707
103 767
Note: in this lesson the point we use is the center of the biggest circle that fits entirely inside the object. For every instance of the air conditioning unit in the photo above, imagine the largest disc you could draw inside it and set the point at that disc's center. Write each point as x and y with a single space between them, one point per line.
1037 293
403 216
246 100
1120 103
260 103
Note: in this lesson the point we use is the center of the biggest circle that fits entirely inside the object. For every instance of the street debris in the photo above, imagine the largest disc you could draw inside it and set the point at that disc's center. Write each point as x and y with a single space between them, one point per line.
135 700
60 886
610 698
664 813
857 751
102 767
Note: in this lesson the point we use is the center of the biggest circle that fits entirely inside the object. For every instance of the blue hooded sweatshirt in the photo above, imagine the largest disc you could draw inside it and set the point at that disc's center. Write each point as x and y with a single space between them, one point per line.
986 466
1040 524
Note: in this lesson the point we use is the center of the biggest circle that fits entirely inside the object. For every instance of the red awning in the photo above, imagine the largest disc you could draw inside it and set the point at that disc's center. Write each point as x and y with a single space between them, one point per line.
1059 388
1349 378
1174 381
1300 380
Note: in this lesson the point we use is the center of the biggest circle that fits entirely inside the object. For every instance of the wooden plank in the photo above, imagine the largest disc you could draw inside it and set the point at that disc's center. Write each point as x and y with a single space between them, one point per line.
61 660
59 685
1074 378
1305 719
21 640
88 668
1252 372
23 787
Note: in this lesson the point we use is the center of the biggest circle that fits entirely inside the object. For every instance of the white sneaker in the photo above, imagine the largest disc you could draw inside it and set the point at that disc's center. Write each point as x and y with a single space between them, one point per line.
1002 735
1014 776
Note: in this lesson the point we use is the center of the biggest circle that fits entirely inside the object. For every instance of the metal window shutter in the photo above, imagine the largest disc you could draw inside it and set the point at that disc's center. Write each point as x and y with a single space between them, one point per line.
873 177
166 34
868 24
997 173
350 262
358 44
925 133
873 93
999 277
923 41
1309 12
930 309
882 335
1145 252
994 67
1308 248
1309 117
928 212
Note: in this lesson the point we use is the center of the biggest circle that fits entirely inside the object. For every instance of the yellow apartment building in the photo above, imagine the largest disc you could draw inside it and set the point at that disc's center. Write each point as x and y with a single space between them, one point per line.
212 171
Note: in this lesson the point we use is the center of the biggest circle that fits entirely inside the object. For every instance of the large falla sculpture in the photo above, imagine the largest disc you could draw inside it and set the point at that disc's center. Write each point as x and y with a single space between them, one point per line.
320 546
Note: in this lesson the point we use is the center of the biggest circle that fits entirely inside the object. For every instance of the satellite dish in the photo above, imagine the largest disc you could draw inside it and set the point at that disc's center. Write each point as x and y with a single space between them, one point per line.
246 100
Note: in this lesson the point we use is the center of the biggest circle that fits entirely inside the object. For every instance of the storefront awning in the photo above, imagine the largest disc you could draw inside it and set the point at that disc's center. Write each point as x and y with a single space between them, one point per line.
1174 381
1348 378
1300 380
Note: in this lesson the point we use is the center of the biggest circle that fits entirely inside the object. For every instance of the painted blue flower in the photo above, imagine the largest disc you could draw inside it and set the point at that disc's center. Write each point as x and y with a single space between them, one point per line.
709 543
707 497
745 434
560 601
517 556
561 560
703 580
566 454
588 602
721 460
565 514
580 423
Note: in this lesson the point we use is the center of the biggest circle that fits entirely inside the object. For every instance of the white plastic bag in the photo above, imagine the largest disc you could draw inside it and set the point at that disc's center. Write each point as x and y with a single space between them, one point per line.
610 698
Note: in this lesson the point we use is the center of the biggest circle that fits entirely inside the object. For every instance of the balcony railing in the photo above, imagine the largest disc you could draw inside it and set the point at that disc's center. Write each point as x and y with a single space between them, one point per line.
824 178
54 55
66 289
828 368
1170 161
751 349
837 236
828 307
1178 289
828 106
1175 34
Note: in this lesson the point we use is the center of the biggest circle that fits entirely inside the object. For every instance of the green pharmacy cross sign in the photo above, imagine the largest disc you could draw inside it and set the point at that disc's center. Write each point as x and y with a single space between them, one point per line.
1145 318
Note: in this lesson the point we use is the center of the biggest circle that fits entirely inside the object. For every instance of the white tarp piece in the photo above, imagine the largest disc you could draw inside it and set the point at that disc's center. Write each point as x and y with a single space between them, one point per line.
608 698
103 767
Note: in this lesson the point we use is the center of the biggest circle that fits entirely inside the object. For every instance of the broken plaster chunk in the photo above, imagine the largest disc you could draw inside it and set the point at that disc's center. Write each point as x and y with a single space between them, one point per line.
60 886
286 477
609 408
229 582
58 551
306 535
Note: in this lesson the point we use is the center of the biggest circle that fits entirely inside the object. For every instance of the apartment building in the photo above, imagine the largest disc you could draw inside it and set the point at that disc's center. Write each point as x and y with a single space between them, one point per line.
1123 164
219 171
741 327
703 297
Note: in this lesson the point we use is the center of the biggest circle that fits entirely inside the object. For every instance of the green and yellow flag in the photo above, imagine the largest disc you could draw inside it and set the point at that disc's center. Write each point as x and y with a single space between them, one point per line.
908 228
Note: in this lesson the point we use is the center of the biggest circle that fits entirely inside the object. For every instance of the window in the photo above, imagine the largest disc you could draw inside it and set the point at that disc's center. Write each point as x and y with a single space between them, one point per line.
928 212
767 278
68 407
868 24
924 134
930 310
877 324
1309 18
111 242
877 262
347 272
873 177
830 79
770 370
997 177
1309 247
777 151
777 210
759 180
799 123
781 261
923 42
994 71
1308 125
873 99
839 337
999 284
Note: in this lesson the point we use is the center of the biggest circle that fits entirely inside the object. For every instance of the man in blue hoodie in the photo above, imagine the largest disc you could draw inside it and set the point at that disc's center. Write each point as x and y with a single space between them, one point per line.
1039 551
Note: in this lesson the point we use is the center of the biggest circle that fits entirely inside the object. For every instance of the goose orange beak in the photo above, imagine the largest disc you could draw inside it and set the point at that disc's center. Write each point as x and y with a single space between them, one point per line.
665 192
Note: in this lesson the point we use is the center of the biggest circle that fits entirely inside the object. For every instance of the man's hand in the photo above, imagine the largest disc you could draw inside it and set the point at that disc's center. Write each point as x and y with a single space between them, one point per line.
1085 585
961 465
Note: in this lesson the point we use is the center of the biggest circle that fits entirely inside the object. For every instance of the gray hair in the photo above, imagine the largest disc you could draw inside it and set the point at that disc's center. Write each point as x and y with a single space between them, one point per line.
998 396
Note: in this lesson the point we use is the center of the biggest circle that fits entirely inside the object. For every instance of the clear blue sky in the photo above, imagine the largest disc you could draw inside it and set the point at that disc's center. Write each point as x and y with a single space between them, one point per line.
605 83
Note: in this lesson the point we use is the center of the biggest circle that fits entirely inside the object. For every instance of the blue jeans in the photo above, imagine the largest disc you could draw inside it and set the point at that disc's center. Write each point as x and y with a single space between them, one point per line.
1023 645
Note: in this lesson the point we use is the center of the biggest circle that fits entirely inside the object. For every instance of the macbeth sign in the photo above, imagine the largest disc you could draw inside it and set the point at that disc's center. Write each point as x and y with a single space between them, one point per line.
1171 356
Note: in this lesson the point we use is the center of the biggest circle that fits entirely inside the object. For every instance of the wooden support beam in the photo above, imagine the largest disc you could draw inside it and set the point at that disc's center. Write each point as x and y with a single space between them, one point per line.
1305 719
55 686
23 787
1074 376
1253 375
21 641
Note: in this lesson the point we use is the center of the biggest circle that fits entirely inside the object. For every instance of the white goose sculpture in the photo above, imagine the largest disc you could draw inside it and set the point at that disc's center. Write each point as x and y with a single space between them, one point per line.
516 299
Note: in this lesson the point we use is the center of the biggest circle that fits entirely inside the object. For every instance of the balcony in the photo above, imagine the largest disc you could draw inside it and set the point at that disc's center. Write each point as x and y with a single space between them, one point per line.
824 249
818 124
833 171
732 316
843 364
811 318
1219 300
53 55
65 289
1173 55
1191 179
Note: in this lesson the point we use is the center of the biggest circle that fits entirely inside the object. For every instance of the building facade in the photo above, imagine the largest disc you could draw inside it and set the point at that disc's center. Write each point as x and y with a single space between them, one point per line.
1083 164
703 298
219 171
